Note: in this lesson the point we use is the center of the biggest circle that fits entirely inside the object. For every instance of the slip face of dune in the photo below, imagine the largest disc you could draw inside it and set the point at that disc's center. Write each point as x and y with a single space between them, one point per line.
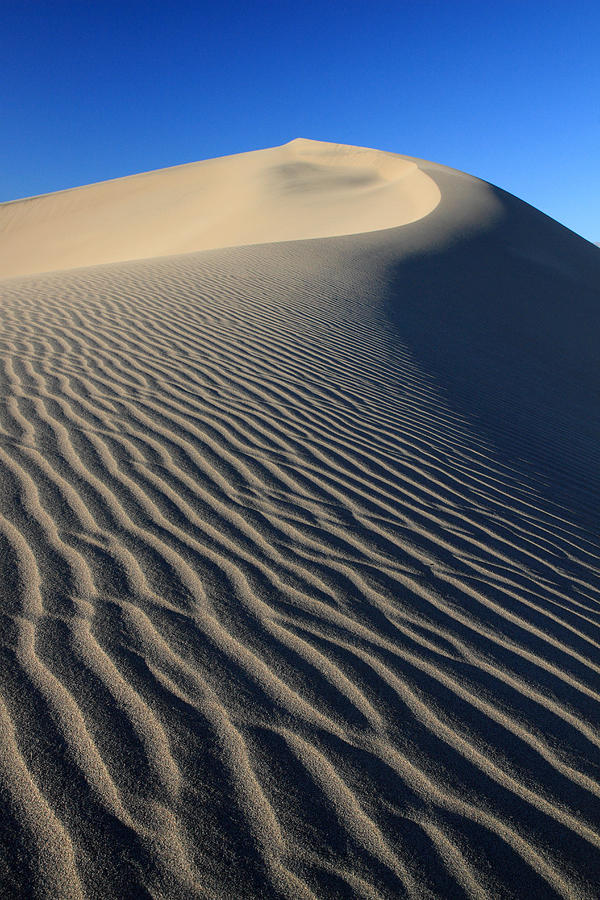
304 189
301 599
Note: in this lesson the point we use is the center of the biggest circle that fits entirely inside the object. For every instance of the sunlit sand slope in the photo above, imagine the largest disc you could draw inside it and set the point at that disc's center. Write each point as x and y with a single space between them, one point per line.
304 189
300 566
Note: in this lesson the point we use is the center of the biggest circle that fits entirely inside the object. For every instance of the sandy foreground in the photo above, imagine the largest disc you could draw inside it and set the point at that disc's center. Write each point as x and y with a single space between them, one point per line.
300 466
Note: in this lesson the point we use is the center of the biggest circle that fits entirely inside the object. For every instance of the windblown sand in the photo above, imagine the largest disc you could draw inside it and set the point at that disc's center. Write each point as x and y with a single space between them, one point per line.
300 556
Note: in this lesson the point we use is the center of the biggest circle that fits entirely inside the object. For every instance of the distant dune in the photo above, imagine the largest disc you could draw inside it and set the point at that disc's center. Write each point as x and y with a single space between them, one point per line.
301 567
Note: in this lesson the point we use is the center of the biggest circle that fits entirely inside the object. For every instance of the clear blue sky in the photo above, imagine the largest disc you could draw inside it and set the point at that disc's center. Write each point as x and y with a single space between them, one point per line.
509 91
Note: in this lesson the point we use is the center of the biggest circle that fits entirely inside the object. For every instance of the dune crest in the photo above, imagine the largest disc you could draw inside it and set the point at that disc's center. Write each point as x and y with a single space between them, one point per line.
304 189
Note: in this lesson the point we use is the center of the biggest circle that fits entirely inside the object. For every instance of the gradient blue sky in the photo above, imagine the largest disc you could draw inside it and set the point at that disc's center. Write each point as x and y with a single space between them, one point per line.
508 91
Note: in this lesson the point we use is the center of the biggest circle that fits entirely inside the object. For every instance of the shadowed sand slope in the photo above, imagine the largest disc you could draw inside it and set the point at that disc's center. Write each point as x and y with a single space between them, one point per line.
301 571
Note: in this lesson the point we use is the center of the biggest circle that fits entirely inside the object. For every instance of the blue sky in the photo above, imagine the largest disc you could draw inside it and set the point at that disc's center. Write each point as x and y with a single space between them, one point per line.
507 91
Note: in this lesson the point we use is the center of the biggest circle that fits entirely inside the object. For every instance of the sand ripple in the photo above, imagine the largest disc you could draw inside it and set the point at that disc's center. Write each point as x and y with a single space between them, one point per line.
275 621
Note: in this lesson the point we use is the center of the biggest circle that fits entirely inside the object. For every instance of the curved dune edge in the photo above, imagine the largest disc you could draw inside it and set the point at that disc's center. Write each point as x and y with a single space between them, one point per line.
303 189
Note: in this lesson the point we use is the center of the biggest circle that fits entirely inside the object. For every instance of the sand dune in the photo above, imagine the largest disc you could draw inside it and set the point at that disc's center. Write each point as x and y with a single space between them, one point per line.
304 189
301 568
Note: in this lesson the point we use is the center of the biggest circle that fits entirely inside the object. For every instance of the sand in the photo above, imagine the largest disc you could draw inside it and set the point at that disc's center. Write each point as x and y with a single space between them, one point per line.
299 523
304 189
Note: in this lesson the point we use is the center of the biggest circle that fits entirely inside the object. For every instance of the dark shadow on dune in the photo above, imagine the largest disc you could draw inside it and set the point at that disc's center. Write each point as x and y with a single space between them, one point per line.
507 322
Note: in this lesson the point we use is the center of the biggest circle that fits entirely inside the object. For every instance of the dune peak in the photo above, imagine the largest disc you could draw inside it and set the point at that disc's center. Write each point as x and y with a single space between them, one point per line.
301 190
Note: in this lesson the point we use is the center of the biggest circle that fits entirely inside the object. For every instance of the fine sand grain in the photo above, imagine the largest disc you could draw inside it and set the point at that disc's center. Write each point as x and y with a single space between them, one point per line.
299 536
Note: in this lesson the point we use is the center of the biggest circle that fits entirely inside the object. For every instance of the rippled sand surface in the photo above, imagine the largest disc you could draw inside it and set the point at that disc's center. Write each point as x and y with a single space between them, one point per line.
300 583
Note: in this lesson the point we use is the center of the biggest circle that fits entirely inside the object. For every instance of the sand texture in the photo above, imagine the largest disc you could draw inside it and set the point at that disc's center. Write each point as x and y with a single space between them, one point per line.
299 537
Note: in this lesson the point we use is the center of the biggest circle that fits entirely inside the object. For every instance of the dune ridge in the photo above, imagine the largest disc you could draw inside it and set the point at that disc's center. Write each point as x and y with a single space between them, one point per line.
286 612
304 189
